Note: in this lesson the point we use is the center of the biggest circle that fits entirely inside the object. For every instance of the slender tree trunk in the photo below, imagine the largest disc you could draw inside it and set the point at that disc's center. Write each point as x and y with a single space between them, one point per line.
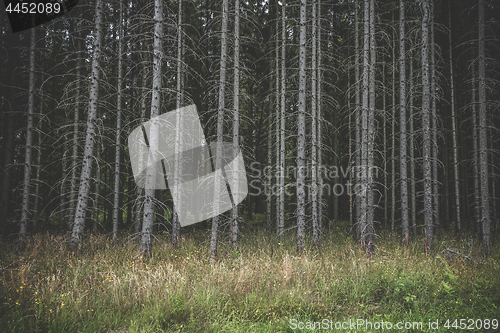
314 127
483 141
25 213
281 216
276 88
393 135
454 126
402 124
412 154
220 126
176 226
475 157
357 116
36 213
146 245
434 124
139 190
76 121
116 194
364 125
236 118
426 131
319 121
370 232
83 192
301 134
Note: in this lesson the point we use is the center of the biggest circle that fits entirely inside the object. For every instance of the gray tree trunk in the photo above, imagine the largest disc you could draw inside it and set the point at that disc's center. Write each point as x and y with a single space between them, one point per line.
314 127
426 131
25 205
434 124
146 245
176 226
116 194
83 191
357 117
281 215
301 131
412 153
402 124
370 229
139 190
76 124
454 126
220 125
475 157
236 118
483 141
393 135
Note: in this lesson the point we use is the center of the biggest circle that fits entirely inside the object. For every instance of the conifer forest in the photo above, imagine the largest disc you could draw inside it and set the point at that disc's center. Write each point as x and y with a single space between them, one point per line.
352 138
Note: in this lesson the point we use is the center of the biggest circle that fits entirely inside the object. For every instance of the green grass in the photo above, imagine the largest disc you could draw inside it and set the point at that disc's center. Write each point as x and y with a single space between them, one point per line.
105 287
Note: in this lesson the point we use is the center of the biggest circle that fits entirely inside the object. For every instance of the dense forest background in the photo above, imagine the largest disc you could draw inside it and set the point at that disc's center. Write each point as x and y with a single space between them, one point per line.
390 107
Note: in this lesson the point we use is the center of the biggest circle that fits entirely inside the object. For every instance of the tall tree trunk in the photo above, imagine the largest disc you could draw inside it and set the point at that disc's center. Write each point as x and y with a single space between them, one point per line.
36 213
220 126
83 191
76 121
236 119
139 204
454 126
116 194
176 226
412 153
146 245
29 142
319 121
393 135
281 215
483 141
357 117
475 157
426 131
314 127
402 124
434 124
301 133
364 125
370 229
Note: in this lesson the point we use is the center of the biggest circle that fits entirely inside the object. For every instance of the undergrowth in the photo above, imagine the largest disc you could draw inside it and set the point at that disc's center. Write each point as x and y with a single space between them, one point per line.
264 286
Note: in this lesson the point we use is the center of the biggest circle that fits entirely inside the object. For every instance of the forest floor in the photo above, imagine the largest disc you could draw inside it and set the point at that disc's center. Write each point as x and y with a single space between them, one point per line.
262 287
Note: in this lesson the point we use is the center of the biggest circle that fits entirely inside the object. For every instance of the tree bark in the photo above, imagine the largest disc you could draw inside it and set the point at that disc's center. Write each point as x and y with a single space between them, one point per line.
301 131
236 118
220 126
116 194
314 127
281 216
483 141
402 124
25 213
146 245
426 131
454 126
